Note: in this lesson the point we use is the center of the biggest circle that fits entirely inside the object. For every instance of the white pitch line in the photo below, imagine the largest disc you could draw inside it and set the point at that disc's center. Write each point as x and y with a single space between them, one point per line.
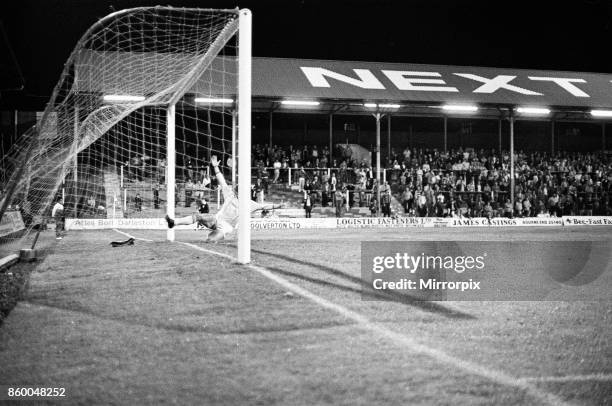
570 378
131 236
208 251
401 339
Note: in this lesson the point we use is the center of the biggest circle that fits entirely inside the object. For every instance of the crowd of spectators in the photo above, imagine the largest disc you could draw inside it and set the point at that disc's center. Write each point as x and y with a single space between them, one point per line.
471 183
430 182
456 183
289 157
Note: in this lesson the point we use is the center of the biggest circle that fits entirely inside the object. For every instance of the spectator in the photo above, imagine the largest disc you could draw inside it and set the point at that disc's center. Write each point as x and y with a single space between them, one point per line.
156 196
308 205
307 188
259 191
508 209
526 207
373 207
189 169
333 182
518 207
138 202
440 207
58 214
91 204
203 207
277 166
385 201
325 192
407 200
462 207
553 205
301 179
421 208
339 202
161 170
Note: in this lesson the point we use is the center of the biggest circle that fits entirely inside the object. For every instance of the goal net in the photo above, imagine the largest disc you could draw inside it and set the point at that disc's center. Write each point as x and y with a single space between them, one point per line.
145 99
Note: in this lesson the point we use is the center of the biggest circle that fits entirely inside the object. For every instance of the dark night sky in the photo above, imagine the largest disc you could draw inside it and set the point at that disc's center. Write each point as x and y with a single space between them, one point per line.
573 35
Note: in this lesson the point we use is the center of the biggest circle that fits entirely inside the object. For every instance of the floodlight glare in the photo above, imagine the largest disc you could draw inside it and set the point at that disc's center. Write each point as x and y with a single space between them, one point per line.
300 102
212 100
533 110
122 98
460 108
370 105
601 113
389 106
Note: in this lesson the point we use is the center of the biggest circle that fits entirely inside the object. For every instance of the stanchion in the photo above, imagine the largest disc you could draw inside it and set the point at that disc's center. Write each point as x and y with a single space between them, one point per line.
348 207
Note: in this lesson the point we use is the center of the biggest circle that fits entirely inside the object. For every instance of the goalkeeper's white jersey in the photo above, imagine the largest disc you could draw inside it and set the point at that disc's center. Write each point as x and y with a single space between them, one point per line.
229 211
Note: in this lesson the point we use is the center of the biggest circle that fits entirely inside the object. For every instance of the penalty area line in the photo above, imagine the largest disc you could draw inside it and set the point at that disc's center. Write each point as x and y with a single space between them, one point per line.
403 340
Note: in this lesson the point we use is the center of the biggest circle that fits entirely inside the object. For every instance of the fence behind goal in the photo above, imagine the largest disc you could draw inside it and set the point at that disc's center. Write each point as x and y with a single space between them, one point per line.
102 146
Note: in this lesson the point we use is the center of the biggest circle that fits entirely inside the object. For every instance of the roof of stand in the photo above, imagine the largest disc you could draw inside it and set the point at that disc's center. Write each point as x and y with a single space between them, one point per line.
394 82
344 86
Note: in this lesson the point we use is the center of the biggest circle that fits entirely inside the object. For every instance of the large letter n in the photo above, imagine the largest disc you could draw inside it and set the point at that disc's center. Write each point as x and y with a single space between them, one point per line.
366 79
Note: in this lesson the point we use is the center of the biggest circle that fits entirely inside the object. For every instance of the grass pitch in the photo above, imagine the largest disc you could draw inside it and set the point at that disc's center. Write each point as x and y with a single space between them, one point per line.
161 323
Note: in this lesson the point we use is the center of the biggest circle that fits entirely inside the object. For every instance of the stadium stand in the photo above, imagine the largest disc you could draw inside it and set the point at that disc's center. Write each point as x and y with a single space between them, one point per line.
457 183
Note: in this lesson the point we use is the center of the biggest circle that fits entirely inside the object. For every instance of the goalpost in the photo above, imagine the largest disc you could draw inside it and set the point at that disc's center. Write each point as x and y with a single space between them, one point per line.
145 99
244 135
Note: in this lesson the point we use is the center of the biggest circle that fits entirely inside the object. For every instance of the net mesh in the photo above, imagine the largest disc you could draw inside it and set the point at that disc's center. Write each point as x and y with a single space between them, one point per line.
100 146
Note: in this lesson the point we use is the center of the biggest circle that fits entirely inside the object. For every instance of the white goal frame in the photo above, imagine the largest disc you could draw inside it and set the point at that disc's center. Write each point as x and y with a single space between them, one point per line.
245 24
244 142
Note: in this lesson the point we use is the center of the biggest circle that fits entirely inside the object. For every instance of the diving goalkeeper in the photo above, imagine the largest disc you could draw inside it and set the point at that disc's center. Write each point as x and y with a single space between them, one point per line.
226 219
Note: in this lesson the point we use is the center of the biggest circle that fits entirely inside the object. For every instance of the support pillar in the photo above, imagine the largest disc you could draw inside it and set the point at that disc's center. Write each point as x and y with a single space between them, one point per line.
15 126
388 136
552 137
499 133
271 128
378 116
331 139
348 197
445 134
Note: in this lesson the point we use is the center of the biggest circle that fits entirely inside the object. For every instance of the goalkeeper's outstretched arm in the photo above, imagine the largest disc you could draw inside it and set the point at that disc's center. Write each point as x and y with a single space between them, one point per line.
223 184
220 178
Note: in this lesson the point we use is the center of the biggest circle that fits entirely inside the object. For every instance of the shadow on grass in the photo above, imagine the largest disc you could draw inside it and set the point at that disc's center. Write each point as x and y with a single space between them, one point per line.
14 283
178 327
429 306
